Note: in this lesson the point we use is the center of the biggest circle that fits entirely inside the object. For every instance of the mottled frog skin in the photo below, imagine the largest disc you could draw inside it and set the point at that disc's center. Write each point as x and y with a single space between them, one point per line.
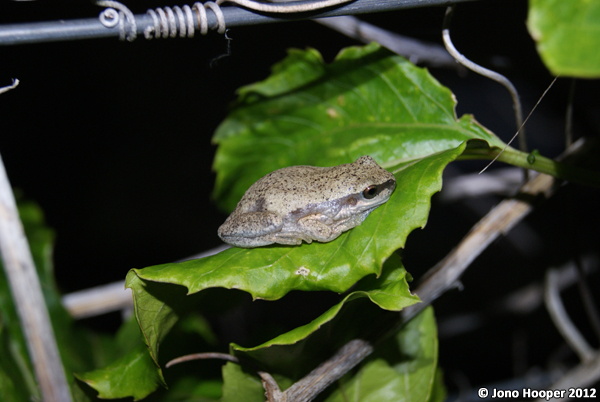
307 203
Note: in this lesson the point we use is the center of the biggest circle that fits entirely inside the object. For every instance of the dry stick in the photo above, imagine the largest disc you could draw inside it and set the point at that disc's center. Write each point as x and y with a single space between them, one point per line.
584 290
320 378
416 51
582 376
445 274
28 298
489 74
561 319
15 83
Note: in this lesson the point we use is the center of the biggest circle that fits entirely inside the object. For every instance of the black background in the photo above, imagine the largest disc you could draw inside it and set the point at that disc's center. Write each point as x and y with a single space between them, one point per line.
113 140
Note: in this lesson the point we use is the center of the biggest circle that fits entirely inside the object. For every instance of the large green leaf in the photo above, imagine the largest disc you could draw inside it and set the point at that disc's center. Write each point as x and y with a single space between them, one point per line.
567 35
156 306
271 272
403 370
135 374
367 102
295 352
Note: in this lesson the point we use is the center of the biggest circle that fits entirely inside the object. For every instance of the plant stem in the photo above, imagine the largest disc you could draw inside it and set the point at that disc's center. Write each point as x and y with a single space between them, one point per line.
540 164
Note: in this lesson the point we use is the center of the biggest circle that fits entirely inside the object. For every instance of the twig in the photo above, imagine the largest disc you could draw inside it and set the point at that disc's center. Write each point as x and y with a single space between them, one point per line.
320 378
15 83
582 376
501 181
530 297
202 356
28 298
416 51
569 114
489 74
522 301
445 274
561 319
113 296
98 300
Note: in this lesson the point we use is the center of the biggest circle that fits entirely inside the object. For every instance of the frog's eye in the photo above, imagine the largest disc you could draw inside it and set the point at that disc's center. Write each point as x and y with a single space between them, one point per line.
370 192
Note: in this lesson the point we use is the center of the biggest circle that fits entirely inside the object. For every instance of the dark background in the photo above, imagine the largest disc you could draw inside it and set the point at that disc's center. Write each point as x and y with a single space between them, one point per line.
113 140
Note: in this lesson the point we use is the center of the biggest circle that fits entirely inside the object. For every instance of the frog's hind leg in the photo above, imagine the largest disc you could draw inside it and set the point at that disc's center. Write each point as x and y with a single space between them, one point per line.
315 228
291 238
251 229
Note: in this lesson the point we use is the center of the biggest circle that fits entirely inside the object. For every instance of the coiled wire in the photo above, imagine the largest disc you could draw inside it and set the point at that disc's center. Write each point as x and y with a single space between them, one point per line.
167 21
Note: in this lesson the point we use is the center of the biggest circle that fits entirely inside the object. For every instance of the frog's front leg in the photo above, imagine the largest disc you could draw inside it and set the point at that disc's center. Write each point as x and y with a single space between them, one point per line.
318 227
250 229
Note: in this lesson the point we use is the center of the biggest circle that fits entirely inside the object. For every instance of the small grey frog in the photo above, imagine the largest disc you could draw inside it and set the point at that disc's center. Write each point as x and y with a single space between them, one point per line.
307 203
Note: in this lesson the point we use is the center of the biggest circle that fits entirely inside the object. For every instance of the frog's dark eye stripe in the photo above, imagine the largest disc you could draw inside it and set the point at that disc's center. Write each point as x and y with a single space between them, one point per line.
370 192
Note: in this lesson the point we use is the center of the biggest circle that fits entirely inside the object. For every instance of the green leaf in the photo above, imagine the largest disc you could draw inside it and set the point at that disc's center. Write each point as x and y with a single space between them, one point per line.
154 314
404 371
271 272
567 34
239 386
367 102
438 390
135 374
390 292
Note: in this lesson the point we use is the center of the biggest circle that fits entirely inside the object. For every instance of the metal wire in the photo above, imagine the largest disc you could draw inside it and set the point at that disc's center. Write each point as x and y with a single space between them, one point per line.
51 31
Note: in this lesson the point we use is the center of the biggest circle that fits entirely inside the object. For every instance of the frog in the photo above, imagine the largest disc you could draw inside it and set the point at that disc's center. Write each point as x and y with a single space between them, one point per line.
307 203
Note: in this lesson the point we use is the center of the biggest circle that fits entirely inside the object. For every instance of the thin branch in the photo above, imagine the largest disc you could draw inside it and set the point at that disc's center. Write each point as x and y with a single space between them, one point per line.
569 114
584 289
522 302
582 376
445 274
15 83
320 378
112 296
28 298
416 51
561 319
501 181
530 297
486 73
98 300
202 356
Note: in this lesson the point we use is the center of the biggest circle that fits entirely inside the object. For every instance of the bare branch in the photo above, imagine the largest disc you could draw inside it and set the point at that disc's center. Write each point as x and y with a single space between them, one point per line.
416 51
14 84
582 376
202 356
445 274
28 298
112 296
501 181
98 300
491 75
320 378
561 319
